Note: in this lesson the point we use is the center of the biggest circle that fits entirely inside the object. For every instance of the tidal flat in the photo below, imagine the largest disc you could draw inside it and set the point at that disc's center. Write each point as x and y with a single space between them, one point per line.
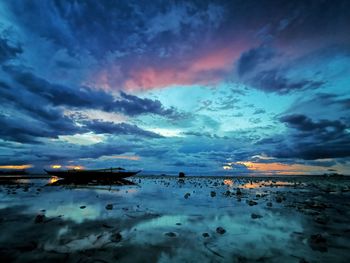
167 219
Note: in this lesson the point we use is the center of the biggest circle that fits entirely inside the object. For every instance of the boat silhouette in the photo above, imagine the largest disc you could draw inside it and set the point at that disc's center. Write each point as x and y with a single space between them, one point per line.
97 174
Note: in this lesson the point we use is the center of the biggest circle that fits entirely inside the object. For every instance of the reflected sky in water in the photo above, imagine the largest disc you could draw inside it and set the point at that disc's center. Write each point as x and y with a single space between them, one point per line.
169 216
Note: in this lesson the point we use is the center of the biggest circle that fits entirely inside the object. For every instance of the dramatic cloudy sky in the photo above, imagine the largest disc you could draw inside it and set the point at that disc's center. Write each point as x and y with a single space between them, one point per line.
207 87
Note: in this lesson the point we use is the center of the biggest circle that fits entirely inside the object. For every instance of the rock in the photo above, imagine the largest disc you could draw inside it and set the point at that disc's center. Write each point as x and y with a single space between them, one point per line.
269 204
109 206
238 191
251 203
170 234
212 194
178 224
116 237
39 219
220 230
205 235
255 216
318 242
181 174
187 195
83 207
279 199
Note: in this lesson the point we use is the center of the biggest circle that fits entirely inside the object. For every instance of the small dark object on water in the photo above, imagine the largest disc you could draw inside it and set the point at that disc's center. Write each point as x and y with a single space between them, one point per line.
212 194
269 204
109 206
279 199
178 224
181 174
83 207
220 230
238 192
205 235
117 237
170 234
255 216
39 219
251 203
187 195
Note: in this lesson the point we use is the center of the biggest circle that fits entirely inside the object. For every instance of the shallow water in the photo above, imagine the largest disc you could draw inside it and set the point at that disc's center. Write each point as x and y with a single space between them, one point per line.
164 219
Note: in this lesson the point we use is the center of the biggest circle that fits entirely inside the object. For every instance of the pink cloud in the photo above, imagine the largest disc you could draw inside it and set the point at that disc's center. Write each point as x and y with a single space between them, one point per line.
206 66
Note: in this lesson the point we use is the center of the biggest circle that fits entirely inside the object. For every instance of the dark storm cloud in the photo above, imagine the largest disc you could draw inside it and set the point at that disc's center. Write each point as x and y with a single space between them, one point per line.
34 110
305 124
276 81
133 105
98 126
7 50
84 97
309 140
329 99
27 130
100 27
250 59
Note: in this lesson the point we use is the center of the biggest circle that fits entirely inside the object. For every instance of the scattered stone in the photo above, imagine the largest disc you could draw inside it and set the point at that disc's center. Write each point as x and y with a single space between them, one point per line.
212 193
205 235
170 234
39 219
109 206
279 199
251 203
116 237
187 195
83 207
220 230
318 242
255 216
181 174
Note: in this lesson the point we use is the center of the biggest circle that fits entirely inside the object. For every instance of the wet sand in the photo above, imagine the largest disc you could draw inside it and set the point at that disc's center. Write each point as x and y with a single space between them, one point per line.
164 219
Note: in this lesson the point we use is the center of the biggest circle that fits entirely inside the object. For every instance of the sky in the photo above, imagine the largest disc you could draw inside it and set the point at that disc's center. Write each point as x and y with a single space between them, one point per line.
204 87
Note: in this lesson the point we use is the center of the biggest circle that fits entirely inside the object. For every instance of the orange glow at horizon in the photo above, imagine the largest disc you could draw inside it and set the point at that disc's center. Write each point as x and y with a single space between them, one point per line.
16 167
280 167
75 167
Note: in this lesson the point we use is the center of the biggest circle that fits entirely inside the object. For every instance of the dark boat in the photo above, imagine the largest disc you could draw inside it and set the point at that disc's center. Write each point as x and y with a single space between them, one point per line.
86 175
